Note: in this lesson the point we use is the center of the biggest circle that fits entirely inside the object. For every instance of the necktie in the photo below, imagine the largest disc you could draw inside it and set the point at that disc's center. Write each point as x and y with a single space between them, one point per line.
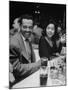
28 49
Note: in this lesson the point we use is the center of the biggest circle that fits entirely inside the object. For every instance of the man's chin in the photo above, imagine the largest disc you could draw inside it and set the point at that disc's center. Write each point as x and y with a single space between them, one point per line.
27 37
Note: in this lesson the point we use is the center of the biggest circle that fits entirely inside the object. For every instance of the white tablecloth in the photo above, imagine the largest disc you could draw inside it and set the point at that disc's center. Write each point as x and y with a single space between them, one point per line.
31 81
34 79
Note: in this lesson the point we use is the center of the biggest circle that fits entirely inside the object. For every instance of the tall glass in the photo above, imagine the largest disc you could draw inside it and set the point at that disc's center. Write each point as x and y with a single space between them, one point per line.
43 71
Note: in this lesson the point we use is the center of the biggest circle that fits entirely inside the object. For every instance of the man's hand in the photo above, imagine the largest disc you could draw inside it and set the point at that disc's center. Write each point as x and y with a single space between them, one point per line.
10 67
11 77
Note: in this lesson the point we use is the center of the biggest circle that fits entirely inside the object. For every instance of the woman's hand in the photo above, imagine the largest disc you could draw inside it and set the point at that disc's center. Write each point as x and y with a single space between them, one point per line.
63 39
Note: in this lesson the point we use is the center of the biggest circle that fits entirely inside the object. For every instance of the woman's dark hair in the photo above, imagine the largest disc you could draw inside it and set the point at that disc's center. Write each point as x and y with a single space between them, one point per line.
51 21
26 16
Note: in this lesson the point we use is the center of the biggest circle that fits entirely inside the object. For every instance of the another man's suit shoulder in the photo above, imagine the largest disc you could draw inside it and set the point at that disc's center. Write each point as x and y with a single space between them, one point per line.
14 39
42 39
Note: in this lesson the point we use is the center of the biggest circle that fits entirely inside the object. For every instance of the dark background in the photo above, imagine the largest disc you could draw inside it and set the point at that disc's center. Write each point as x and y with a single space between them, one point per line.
57 11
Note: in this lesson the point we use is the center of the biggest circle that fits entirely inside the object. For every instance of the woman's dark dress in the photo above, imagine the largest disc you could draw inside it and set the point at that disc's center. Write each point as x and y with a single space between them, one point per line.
45 50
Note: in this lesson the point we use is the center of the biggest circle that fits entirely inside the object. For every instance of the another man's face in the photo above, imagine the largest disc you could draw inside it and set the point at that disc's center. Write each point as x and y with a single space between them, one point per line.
26 27
59 29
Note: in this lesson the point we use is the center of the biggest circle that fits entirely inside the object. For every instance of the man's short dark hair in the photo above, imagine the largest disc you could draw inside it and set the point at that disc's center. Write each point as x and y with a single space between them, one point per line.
26 16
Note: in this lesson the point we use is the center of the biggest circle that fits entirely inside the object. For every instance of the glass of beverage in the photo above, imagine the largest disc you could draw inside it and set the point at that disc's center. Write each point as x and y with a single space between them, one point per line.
43 79
43 71
54 73
44 61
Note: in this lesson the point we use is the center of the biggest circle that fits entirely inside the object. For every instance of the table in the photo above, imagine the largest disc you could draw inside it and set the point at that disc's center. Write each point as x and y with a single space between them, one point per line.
31 81
34 79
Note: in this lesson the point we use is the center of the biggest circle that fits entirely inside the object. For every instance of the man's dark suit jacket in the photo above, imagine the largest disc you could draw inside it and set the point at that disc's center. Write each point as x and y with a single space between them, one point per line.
22 67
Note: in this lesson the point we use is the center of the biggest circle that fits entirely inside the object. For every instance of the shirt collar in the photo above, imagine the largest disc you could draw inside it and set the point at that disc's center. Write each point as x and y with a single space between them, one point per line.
23 37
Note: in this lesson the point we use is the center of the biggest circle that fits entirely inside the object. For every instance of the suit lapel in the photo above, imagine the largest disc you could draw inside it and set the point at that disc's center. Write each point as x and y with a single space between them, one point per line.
22 46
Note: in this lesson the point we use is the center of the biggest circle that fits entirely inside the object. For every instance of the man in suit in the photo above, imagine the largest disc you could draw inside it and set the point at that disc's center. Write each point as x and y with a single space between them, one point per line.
22 56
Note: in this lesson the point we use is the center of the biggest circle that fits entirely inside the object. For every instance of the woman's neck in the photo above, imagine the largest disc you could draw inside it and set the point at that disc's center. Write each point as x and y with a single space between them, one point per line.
49 38
49 41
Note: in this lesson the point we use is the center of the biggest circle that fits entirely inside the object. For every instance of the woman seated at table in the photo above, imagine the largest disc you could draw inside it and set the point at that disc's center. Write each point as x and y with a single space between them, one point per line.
47 43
